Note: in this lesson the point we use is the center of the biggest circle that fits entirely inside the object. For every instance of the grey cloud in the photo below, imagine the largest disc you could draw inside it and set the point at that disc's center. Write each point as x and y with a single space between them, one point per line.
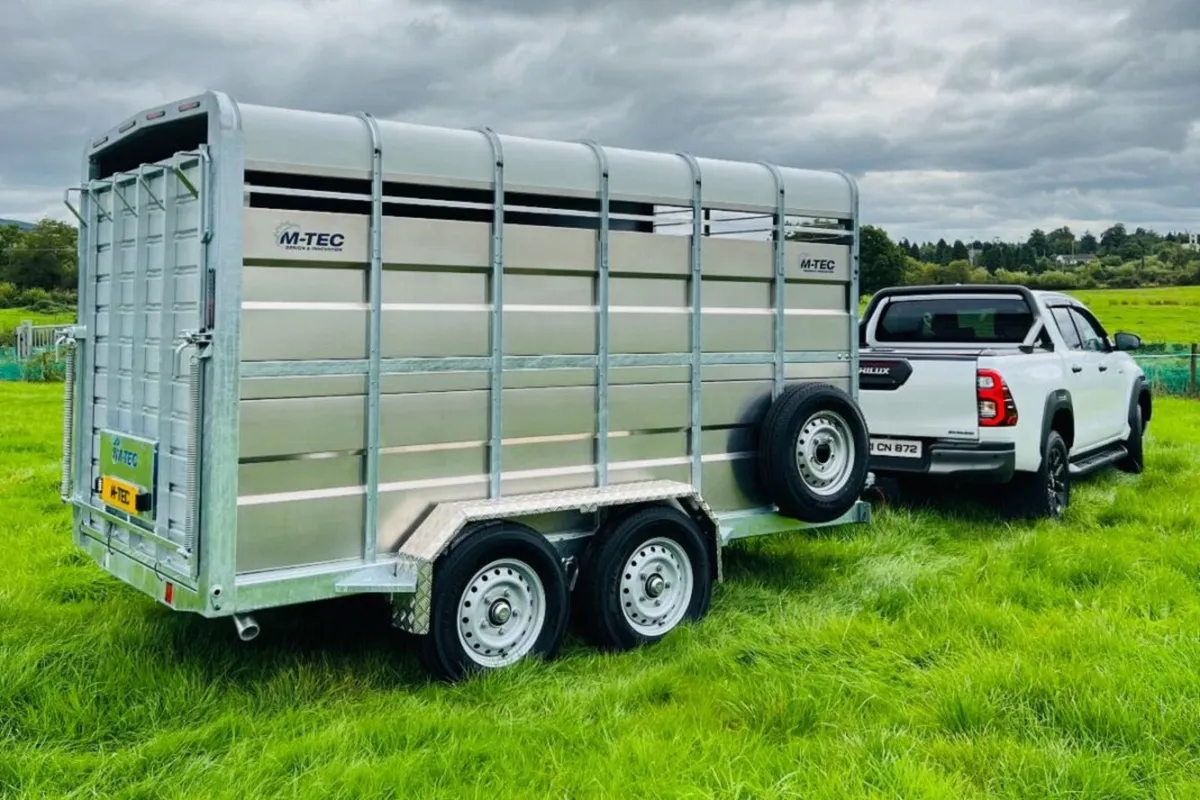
1074 112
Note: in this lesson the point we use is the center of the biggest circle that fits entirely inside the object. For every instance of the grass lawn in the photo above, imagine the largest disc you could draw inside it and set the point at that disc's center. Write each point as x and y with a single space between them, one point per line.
932 654
1160 316
10 318
1157 315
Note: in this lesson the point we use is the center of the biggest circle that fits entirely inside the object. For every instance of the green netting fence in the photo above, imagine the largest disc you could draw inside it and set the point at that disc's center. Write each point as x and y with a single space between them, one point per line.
1171 368
42 366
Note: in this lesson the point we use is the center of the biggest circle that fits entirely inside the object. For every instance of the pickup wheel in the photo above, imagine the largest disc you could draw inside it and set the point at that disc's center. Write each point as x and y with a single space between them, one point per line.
1134 461
813 452
1047 492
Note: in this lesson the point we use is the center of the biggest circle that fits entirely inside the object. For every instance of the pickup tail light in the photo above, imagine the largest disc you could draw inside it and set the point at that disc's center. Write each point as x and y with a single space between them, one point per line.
997 409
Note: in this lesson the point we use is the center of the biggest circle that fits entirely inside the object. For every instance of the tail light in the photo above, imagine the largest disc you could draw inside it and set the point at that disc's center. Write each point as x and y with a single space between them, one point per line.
997 409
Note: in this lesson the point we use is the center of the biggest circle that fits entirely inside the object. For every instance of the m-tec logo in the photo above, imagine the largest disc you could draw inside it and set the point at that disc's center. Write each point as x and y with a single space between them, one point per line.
820 266
291 236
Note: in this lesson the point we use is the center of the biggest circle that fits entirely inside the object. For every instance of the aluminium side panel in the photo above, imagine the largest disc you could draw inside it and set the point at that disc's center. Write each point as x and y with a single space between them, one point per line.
305 316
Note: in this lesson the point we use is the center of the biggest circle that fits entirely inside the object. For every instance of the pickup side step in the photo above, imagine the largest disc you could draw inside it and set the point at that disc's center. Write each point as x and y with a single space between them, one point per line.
1091 462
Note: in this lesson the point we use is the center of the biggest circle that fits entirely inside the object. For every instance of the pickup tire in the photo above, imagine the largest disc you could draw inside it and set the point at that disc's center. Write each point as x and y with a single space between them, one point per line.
1134 461
813 452
1047 492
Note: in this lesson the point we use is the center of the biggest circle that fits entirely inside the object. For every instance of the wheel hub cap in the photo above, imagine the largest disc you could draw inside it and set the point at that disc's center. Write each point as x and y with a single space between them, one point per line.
501 613
825 453
656 585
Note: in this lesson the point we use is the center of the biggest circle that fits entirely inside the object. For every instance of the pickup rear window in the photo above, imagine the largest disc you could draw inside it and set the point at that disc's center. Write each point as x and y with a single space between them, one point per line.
955 320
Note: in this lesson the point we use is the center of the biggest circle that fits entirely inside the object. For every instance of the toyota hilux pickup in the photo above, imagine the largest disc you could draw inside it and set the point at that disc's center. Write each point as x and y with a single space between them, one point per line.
1001 385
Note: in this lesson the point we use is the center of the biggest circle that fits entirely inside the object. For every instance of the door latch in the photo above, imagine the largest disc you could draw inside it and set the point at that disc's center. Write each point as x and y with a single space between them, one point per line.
201 340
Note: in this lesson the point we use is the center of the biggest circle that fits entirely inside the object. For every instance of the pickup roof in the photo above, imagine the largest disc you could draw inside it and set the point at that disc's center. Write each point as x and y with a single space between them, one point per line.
999 384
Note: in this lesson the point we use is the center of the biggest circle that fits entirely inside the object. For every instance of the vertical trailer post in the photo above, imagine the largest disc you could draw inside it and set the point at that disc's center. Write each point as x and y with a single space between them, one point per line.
496 292
780 276
139 423
374 335
602 320
852 305
166 346
696 330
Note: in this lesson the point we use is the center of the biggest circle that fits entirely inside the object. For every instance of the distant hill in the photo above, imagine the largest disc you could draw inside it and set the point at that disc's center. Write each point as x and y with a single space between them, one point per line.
22 225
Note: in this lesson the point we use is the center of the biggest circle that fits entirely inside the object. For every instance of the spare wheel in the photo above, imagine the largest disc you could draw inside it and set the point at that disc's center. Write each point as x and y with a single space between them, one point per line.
813 452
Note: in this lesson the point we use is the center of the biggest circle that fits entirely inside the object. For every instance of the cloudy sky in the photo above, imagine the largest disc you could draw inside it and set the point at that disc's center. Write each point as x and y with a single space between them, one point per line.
962 118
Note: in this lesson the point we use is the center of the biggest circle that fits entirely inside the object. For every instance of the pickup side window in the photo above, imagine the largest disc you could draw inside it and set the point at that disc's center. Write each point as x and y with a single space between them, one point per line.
955 320
1062 318
1092 334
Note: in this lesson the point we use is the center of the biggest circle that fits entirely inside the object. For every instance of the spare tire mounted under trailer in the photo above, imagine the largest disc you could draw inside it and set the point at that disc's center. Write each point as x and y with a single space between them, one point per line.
504 382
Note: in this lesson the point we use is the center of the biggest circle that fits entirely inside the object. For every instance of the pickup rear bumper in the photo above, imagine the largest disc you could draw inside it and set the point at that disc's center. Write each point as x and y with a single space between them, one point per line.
976 462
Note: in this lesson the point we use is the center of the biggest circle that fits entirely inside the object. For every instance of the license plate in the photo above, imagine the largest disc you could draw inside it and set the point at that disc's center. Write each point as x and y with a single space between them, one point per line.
122 495
896 448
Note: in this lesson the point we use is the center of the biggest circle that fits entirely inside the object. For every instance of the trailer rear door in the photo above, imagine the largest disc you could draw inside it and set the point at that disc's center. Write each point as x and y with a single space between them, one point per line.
145 292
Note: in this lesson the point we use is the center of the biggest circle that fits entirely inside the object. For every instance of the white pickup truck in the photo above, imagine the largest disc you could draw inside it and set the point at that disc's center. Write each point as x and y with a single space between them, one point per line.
998 384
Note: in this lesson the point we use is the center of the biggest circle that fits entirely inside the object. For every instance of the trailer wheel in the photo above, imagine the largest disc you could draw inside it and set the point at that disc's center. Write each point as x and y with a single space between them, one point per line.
813 452
499 596
645 575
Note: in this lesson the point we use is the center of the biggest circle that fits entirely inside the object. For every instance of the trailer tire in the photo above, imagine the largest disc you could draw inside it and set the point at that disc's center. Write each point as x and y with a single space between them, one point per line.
499 596
642 577
813 452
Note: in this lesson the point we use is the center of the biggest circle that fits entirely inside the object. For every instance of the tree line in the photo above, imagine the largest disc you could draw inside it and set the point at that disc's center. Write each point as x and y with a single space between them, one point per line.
38 266
1117 259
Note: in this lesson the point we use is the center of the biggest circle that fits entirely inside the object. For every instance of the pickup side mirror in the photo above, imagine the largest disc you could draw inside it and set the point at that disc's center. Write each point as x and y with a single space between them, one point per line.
1126 341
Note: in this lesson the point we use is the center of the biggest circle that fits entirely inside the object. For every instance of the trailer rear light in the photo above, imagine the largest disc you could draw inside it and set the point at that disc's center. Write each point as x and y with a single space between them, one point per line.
156 114
127 126
190 106
99 141
997 409
169 593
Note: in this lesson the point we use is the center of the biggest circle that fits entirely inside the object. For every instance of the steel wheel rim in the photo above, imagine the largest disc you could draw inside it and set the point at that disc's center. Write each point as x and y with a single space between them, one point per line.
825 453
656 586
501 613
1056 482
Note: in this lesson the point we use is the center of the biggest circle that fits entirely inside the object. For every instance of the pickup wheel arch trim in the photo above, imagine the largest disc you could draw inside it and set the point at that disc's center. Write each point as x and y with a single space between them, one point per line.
1056 401
1141 389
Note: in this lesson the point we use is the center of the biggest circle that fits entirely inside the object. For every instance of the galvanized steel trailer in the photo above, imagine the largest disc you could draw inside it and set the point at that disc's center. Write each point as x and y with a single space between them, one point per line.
489 376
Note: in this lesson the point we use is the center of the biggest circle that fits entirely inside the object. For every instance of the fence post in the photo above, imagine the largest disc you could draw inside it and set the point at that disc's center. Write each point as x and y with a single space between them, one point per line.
1192 370
23 336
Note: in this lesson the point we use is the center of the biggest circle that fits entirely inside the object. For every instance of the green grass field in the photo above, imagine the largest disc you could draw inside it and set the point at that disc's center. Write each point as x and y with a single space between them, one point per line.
935 653
1160 316
1157 315
10 318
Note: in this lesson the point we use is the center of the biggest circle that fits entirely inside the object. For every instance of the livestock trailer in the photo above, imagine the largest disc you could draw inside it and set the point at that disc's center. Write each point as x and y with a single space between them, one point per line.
487 376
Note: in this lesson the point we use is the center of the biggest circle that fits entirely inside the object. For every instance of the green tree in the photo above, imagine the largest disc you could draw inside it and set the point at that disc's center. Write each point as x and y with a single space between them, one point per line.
881 262
1061 241
959 251
1088 243
43 257
941 252
1113 239
1038 242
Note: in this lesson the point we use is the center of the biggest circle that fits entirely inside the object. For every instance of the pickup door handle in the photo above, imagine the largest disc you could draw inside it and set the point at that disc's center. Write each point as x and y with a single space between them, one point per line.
1076 368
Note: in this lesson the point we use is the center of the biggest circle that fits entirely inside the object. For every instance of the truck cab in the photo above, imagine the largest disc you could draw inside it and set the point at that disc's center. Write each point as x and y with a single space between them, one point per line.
999 384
